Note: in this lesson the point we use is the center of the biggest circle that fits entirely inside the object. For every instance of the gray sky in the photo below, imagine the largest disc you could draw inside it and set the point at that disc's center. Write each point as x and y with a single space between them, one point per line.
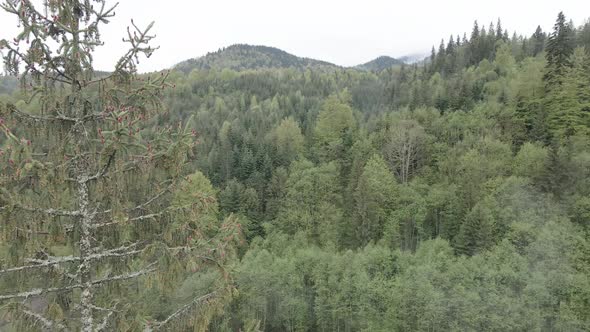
343 32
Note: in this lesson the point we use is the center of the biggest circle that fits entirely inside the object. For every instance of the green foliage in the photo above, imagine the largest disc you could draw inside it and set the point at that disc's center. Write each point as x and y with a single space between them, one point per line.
446 195
312 202
560 46
287 140
568 104
374 199
334 130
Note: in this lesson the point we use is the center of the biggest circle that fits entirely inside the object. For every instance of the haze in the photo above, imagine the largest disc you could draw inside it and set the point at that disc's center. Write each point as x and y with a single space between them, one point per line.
342 32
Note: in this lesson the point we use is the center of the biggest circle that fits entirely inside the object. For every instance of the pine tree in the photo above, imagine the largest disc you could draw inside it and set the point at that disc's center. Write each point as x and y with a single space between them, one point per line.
83 234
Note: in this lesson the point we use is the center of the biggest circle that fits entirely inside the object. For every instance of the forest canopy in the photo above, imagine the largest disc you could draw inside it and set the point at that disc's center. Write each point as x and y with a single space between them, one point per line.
269 192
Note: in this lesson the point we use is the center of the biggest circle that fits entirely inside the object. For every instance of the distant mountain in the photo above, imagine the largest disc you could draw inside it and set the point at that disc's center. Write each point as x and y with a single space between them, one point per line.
242 56
380 63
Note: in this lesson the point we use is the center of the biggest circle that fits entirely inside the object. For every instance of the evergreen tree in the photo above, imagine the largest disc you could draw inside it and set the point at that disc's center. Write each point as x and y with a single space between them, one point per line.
86 236
499 31
538 41
568 104
559 50
441 57
584 36
451 56
476 234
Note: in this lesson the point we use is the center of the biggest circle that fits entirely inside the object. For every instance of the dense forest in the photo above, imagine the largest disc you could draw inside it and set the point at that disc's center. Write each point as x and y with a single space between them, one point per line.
277 193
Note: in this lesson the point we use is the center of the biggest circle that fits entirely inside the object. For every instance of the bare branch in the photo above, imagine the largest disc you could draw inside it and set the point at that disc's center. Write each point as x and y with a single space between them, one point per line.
151 200
138 218
51 261
47 323
41 264
182 310
59 117
105 321
103 171
144 204
51 212
94 283
36 292
148 269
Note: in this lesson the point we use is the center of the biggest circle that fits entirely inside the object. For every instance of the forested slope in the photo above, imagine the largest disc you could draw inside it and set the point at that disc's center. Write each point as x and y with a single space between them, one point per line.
242 56
449 195
446 196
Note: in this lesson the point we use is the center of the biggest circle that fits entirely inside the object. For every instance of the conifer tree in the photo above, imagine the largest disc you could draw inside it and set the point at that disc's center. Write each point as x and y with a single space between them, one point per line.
474 45
475 234
93 205
440 57
568 104
451 56
499 31
538 41
559 49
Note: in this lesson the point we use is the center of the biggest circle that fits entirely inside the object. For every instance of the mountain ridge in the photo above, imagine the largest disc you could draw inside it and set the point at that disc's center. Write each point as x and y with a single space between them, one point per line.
246 56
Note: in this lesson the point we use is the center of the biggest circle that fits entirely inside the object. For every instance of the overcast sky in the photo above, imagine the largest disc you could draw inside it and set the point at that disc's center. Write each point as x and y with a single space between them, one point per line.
342 32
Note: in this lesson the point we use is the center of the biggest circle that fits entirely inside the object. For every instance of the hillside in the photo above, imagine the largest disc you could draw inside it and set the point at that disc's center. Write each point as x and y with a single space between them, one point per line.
380 63
279 193
242 56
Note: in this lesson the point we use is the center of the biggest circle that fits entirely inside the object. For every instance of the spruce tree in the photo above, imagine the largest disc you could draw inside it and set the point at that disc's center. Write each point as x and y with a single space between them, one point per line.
538 41
499 31
94 214
568 104
474 45
475 234
440 57
451 56
559 50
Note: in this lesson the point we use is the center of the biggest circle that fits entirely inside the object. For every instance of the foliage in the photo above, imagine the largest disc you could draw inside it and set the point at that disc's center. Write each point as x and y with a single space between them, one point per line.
449 194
